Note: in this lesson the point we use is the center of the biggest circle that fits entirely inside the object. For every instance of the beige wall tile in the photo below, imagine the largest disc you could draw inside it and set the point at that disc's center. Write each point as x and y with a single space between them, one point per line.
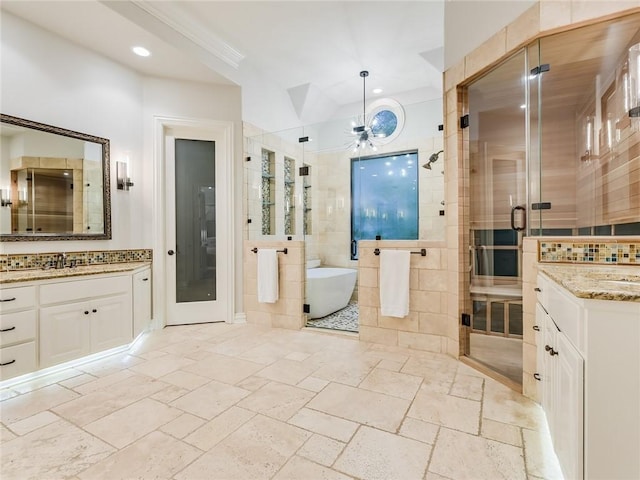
554 14
410 323
383 336
367 315
588 9
453 76
487 53
420 341
525 27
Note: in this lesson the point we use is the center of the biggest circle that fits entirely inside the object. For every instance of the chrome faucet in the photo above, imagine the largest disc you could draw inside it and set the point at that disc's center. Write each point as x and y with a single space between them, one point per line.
61 261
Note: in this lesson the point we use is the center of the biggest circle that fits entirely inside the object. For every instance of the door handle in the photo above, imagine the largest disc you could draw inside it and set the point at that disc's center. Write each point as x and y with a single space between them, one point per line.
171 252
354 248
513 218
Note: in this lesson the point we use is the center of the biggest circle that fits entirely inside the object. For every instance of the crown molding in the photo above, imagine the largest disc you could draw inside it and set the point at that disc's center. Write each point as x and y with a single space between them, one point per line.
174 17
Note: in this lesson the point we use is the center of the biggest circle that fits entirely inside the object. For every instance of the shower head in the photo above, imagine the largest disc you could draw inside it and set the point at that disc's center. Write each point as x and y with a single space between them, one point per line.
432 159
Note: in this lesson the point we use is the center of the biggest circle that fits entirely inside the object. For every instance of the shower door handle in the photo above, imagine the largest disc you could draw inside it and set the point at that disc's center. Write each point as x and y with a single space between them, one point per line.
513 218
354 249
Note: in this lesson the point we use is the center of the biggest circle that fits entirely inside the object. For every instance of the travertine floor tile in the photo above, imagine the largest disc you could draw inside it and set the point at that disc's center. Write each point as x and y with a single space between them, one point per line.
156 455
419 430
277 400
132 422
210 399
23 406
504 405
258 449
90 407
373 454
392 383
501 432
362 406
324 424
58 450
287 371
446 410
253 402
223 369
34 422
161 366
462 456
214 431
322 450
182 426
299 468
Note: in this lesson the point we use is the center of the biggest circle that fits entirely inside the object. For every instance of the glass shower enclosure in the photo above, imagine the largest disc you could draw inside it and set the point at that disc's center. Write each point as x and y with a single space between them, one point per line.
552 150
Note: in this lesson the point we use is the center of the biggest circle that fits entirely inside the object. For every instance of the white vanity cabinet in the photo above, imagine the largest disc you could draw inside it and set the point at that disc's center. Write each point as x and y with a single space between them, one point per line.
141 301
83 316
589 372
18 317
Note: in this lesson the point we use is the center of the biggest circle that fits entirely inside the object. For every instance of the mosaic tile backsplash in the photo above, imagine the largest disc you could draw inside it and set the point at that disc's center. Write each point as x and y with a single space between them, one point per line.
30 261
608 253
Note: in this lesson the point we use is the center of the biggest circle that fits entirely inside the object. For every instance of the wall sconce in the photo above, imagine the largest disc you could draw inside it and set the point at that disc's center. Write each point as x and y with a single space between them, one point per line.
5 197
122 177
634 81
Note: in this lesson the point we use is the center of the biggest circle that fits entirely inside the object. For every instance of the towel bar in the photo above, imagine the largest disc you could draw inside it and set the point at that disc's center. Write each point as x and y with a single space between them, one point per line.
422 252
284 250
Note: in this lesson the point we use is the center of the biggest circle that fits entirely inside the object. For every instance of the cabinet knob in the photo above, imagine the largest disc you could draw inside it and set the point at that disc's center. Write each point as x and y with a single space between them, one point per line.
547 348
145 279
94 310
553 352
86 312
537 377
537 289
171 252
536 328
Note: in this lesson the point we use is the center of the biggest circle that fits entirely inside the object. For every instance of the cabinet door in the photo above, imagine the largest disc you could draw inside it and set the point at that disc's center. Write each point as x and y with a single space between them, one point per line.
111 324
64 333
549 374
569 405
141 301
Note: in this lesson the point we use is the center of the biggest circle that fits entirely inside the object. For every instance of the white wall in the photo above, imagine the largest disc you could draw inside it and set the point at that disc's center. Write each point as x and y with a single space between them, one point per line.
468 23
50 80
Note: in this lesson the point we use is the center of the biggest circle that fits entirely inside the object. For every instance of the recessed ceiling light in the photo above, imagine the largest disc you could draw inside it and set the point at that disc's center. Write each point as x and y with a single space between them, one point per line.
377 90
141 51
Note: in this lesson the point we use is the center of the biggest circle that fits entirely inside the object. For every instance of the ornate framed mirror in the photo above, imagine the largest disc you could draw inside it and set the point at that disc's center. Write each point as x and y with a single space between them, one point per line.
54 183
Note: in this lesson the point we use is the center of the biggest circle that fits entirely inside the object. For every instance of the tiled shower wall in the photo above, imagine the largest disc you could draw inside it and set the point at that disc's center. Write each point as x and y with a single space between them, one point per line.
287 311
30 261
425 328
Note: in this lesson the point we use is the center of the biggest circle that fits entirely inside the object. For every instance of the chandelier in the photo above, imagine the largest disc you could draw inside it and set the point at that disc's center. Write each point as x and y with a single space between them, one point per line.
364 132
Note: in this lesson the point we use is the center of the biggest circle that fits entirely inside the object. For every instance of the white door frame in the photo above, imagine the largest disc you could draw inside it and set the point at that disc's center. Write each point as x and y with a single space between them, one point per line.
225 163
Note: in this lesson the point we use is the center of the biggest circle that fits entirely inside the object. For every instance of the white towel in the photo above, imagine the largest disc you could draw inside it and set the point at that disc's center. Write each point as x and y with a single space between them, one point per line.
267 275
394 282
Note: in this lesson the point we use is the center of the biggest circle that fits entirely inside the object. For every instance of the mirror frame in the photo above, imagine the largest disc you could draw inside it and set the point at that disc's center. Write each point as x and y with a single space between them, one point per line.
106 184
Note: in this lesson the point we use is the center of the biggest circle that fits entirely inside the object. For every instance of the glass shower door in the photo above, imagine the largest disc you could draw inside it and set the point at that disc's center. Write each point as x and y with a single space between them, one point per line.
497 214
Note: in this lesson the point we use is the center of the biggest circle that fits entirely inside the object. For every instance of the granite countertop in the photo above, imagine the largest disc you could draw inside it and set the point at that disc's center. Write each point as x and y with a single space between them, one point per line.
620 283
15 276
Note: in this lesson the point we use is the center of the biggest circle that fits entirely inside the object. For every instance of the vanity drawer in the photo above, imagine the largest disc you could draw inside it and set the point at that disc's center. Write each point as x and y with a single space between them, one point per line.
17 360
17 298
71 291
17 327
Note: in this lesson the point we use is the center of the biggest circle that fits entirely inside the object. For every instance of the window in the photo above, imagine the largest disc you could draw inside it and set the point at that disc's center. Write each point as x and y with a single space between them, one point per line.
384 198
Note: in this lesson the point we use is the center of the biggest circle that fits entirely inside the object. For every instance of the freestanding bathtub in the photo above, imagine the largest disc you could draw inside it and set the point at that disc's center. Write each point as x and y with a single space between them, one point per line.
329 289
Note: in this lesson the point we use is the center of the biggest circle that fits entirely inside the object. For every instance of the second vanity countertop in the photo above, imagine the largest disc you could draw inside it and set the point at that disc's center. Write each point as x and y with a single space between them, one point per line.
599 282
16 276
